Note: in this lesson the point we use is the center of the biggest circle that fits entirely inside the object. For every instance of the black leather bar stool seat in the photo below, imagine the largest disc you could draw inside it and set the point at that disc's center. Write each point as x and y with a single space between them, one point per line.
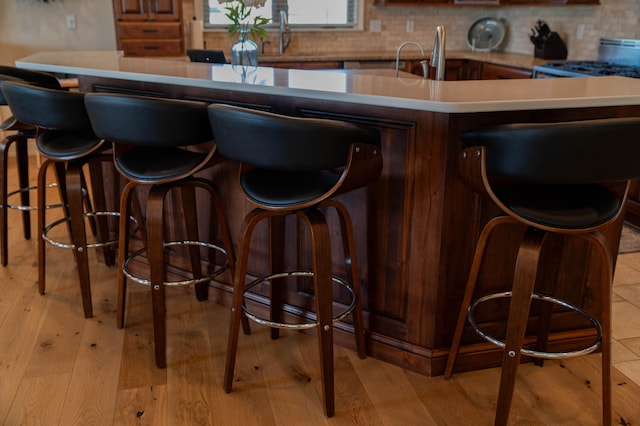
568 178
295 166
67 142
150 137
21 133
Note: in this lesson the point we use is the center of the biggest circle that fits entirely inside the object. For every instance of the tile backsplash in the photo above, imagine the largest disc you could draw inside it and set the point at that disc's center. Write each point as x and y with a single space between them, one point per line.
612 18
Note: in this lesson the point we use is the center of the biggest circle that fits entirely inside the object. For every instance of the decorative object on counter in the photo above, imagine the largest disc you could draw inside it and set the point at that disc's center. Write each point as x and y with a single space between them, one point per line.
548 44
244 51
240 12
486 34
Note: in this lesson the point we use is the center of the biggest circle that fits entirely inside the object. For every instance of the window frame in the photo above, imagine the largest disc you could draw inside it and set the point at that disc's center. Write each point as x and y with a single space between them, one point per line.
358 25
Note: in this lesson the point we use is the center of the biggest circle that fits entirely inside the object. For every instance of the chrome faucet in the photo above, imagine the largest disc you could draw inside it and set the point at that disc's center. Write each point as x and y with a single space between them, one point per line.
423 62
284 37
437 56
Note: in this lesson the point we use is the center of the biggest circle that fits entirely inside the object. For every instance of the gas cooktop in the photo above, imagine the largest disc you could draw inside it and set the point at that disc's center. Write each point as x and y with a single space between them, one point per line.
585 69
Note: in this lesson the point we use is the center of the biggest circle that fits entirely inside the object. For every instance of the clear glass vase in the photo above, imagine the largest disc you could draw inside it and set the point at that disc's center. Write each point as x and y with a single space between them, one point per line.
244 51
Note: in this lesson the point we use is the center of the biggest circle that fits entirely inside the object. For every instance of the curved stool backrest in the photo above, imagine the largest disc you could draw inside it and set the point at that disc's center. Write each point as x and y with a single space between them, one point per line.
36 78
576 152
56 109
279 142
149 122
291 163
553 175
3 78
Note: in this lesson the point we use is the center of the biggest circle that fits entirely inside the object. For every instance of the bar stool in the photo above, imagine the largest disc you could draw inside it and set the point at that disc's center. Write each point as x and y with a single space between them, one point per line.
155 132
67 142
21 133
294 166
566 178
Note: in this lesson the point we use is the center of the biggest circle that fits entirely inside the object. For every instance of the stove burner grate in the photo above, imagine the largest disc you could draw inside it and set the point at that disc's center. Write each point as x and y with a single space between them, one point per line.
593 68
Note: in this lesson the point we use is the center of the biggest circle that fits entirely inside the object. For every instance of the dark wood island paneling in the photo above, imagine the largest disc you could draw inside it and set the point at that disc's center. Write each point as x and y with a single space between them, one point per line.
416 228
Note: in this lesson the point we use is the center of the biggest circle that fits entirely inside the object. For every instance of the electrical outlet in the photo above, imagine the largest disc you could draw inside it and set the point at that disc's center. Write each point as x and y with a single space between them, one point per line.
71 22
375 25
580 32
409 26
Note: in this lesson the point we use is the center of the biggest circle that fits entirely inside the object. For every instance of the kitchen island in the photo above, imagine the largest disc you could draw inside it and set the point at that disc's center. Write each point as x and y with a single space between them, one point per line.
417 226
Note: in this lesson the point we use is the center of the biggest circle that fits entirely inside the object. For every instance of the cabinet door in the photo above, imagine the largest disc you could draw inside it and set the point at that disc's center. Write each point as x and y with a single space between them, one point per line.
164 10
454 69
147 10
411 2
501 72
544 2
134 10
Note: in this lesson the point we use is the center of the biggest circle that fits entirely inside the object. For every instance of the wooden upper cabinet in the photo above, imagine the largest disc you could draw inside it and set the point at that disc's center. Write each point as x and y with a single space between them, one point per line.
149 27
548 2
147 10
412 2
483 2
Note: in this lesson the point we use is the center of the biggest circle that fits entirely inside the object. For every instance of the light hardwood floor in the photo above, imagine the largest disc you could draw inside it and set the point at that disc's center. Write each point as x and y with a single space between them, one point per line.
56 368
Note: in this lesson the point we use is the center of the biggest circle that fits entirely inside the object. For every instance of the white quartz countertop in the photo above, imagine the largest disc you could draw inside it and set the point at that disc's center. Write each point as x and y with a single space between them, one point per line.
347 86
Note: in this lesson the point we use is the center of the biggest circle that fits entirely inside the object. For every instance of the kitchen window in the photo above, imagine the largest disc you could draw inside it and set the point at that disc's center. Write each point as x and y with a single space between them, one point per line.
308 14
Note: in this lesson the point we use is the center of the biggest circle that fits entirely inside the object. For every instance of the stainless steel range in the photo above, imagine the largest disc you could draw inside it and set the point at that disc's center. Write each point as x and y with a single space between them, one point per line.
616 56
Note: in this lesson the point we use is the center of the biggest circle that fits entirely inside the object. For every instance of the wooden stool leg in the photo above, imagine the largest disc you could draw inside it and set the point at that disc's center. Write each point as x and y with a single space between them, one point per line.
188 194
123 248
60 172
523 285
100 205
155 223
276 262
22 157
41 214
606 280
78 233
349 247
323 284
248 225
225 233
471 285
4 154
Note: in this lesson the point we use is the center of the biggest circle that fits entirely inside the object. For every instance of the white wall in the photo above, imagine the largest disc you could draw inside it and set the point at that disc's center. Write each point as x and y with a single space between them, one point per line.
28 26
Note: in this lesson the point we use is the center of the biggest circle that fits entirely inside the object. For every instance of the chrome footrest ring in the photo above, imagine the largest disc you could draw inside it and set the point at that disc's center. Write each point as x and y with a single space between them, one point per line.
305 325
60 244
217 271
27 189
532 353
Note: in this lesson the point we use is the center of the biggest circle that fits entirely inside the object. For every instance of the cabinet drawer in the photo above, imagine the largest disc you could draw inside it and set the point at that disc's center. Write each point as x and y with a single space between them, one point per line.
158 47
149 30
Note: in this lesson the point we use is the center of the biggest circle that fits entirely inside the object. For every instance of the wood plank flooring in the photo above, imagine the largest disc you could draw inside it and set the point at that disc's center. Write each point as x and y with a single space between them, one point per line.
57 368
